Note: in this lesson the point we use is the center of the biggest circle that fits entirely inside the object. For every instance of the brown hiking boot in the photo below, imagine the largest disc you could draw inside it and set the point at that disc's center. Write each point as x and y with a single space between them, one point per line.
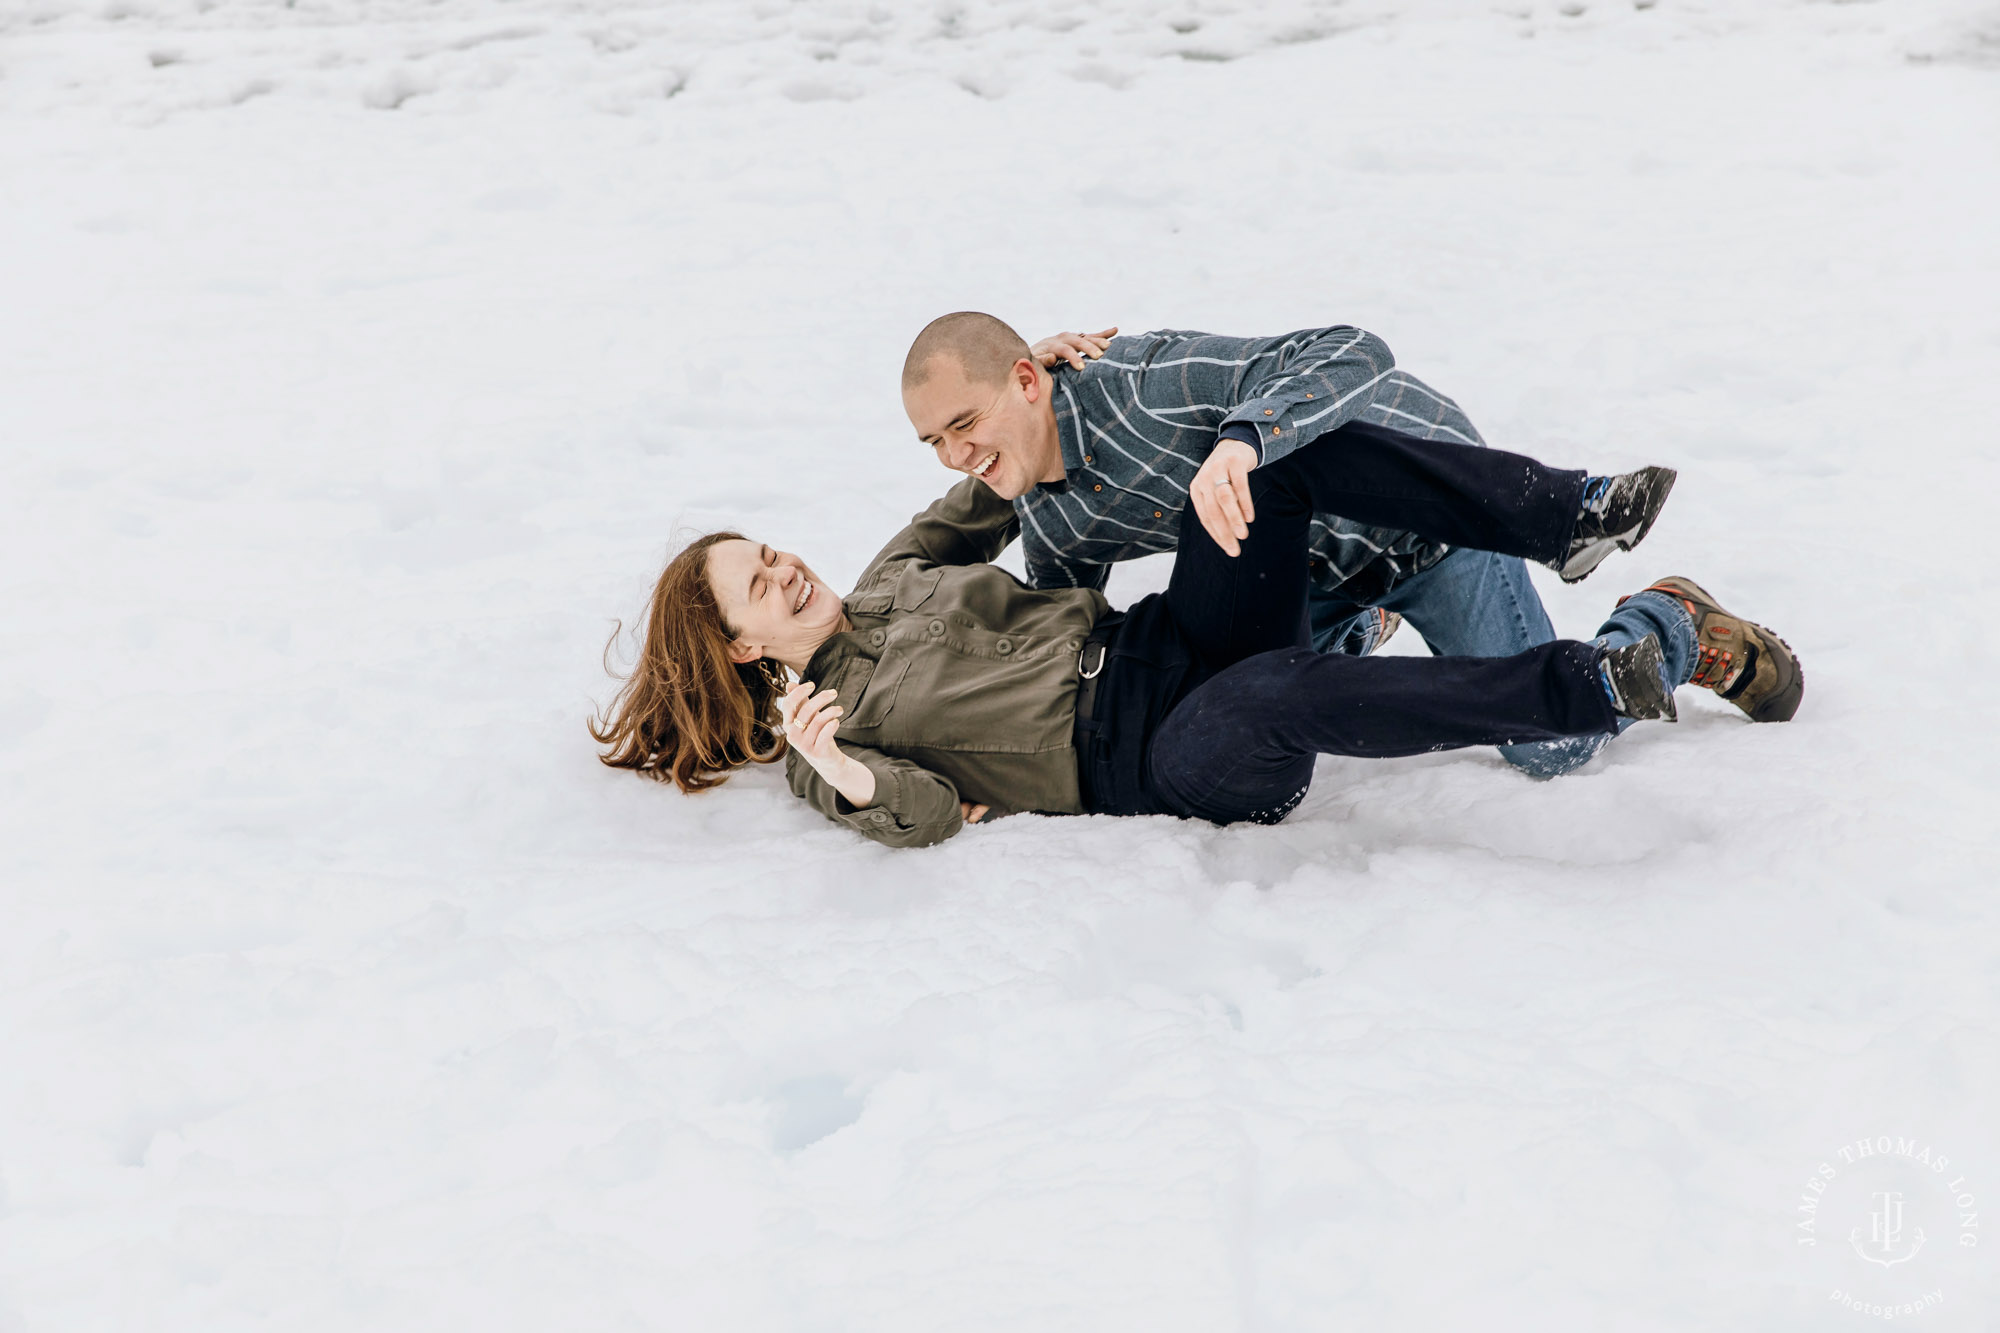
1386 625
1743 662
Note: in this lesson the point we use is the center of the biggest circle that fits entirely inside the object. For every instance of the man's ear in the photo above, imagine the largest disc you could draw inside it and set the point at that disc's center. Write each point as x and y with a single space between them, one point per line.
1029 376
743 653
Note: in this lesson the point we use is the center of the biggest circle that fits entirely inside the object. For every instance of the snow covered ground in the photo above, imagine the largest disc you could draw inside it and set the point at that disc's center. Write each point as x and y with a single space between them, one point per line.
360 361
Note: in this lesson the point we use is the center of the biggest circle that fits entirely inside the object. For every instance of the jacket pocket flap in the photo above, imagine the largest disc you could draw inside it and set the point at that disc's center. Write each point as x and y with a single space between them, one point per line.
868 690
852 682
872 601
916 585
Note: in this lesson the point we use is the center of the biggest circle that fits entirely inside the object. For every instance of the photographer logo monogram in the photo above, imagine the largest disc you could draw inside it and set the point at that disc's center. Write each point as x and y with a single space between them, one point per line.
1889 1221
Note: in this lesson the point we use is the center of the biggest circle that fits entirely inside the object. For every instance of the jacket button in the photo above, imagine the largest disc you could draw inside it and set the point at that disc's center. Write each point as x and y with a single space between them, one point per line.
878 638
1088 459
937 627
1267 411
1096 488
1157 514
1308 395
1275 430
1004 646
880 816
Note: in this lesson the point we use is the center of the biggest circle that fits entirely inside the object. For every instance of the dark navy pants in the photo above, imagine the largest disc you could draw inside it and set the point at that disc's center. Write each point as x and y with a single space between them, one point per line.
1213 702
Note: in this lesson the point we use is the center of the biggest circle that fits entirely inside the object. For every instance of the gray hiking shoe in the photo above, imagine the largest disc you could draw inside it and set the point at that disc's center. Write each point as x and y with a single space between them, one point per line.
1743 662
1617 514
1633 675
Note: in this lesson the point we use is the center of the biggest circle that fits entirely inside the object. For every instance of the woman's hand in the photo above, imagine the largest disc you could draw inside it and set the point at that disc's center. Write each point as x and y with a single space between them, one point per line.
811 723
973 813
1072 347
1221 494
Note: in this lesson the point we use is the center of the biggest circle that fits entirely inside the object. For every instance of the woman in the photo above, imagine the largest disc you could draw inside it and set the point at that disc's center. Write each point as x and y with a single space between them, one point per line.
942 690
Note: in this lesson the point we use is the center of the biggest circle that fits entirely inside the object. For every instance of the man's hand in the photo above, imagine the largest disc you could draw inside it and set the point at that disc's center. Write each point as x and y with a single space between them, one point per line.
1221 494
973 813
1071 347
811 722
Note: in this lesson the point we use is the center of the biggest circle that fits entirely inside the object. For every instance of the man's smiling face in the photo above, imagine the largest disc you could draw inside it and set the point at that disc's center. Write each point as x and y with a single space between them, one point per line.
1000 433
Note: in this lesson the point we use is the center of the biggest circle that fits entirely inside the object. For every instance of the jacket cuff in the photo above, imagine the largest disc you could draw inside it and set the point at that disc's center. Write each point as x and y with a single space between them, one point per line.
887 807
893 816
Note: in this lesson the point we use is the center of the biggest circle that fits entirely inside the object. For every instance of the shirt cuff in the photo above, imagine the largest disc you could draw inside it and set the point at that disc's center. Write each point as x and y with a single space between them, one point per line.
1244 431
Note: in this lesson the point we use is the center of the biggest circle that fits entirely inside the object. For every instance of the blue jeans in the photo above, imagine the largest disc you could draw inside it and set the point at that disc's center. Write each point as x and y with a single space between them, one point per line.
1478 604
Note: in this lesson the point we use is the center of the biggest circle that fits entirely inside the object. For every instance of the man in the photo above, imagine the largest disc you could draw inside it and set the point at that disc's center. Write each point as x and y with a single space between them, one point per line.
1101 461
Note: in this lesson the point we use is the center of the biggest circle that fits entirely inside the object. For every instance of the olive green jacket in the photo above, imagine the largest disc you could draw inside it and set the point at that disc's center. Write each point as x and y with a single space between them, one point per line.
958 682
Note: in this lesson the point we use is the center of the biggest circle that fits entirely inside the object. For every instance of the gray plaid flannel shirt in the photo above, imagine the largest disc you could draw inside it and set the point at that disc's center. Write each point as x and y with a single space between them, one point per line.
1137 423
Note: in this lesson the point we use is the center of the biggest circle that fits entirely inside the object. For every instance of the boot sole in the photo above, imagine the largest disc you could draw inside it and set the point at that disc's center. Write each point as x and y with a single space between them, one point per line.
1782 704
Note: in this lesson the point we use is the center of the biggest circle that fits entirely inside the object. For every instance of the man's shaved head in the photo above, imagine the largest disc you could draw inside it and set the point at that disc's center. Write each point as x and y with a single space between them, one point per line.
984 348
973 391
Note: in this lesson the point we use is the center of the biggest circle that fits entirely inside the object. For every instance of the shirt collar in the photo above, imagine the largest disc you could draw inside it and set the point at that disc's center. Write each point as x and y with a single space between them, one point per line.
1069 427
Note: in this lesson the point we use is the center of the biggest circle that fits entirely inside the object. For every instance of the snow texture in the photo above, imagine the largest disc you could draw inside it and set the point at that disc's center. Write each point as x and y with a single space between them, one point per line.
360 362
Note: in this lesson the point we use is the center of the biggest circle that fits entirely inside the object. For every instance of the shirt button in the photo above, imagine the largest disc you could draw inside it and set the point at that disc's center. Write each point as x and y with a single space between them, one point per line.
1003 647
937 627
878 638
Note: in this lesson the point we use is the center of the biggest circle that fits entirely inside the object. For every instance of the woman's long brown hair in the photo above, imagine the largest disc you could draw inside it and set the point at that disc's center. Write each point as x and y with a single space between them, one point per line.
688 715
